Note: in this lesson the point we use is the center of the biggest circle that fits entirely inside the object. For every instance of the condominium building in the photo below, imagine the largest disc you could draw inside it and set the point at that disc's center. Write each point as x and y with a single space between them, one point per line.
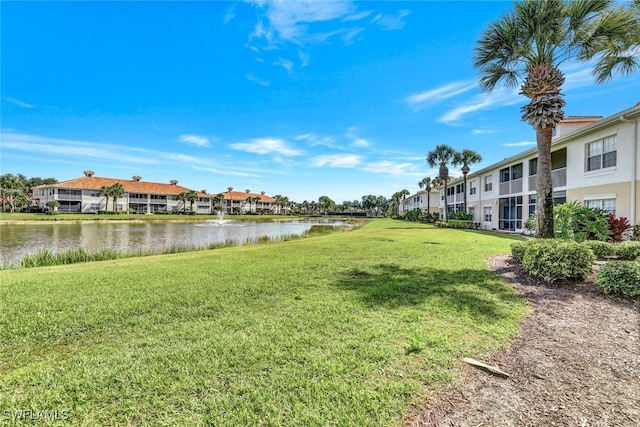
422 200
594 161
243 202
83 195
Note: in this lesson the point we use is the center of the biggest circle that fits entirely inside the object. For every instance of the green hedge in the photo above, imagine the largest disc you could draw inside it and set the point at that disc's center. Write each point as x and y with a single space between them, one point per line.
620 277
628 251
601 249
517 251
557 260
455 223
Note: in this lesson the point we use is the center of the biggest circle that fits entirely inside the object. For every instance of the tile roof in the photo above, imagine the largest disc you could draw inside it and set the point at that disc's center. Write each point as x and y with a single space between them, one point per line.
95 182
242 195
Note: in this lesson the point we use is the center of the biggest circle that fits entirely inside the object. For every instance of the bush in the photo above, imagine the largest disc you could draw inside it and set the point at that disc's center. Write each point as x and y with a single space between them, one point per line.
627 250
455 223
461 216
618 227
556 260
517 251
601 249
620 277
572 221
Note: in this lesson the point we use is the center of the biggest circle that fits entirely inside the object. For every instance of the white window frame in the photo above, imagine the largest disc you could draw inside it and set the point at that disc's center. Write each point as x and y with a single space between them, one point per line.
598 151
606 202
488 183
484 214
473 188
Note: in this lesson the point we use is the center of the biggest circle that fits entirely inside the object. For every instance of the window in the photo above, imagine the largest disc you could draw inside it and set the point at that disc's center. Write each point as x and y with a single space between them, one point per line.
487 214
472 212
473 187
608 205
94 194
533 167
532 204
601 154
488 183
95 207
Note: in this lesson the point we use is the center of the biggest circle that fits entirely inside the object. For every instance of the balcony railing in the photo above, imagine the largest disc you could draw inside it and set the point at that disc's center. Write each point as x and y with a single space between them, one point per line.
558 179
511 187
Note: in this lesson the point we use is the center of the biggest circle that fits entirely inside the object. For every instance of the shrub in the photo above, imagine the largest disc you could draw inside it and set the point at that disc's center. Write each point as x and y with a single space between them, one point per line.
572 221
601 249
461 216
636 232
620 277
517 251
627 250
556 260
414 215
618 226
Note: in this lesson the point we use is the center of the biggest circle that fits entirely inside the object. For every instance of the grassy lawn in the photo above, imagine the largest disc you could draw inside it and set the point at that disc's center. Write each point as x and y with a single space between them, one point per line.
345 329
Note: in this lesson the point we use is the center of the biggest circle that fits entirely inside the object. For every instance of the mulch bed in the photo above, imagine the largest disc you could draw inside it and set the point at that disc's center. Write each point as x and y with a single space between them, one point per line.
576 363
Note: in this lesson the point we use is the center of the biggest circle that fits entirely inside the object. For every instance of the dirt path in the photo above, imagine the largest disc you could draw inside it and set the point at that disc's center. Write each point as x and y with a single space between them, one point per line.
577 363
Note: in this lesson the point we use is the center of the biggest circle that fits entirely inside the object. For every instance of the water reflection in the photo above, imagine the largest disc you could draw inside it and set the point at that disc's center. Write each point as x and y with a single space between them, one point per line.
19 240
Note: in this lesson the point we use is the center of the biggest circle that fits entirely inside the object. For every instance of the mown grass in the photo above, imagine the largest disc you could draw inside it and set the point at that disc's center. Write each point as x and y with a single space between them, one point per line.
343 329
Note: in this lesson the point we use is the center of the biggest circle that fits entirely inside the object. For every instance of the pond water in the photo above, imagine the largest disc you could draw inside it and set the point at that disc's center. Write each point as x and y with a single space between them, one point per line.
20 240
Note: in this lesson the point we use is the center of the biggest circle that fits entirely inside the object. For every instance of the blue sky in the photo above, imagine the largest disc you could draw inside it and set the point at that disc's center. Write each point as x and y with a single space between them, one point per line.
302 99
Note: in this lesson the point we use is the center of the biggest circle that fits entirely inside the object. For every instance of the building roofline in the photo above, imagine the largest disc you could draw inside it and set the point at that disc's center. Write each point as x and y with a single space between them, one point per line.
631 112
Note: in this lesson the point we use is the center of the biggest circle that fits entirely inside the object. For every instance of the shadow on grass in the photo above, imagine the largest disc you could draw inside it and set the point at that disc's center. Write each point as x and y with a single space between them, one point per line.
476 291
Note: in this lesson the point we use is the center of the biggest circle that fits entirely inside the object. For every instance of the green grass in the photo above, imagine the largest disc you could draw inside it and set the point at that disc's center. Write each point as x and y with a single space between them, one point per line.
343 329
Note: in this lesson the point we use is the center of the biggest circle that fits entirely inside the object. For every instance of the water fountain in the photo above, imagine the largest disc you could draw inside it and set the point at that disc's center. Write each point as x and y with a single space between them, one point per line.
220 217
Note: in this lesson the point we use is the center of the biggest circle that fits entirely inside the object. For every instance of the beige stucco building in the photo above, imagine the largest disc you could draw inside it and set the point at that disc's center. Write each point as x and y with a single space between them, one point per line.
594 161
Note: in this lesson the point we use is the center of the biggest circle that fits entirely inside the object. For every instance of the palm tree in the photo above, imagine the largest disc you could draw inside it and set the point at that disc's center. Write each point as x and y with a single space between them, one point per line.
427 183
217 199
183 198
465 158
441 156
104 191
191 197
230 198
531 42
115 191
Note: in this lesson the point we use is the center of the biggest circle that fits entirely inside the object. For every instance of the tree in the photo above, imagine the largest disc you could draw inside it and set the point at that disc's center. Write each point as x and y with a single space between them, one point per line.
253 200
183 198
427 183
105 192
441 156
115 191
13 191
326 203
532 42
217 200
191 197
53 205
465 158
230 198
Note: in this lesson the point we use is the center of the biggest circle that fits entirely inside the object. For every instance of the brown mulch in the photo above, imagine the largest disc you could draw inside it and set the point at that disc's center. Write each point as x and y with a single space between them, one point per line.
576 363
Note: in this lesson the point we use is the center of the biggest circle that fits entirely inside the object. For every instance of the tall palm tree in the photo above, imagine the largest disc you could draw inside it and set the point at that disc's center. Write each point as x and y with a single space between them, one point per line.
104 192
531 42
427 183
183 198
115 191
441 156
191 197
230 198
465 158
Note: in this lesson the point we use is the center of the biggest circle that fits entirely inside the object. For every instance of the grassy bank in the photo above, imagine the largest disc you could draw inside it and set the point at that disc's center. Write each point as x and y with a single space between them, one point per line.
344 329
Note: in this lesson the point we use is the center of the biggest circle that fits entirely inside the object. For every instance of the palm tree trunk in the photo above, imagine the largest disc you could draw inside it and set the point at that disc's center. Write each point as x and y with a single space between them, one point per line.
446 202
464 193
544 185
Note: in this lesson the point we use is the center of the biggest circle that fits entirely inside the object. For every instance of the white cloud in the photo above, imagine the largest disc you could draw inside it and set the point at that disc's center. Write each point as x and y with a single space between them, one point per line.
284 63
520 144
391 22
394 169
257 80
361 142
484 101
18 102
337 160
314 139
424 99
200 141
266 146
231 13
225 172
484 131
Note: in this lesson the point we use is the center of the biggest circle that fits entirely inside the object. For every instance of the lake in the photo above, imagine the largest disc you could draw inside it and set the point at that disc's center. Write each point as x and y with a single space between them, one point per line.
20 240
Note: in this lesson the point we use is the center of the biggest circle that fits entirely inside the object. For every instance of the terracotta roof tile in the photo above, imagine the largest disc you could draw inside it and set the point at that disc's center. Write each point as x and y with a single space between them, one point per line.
242 195
95 182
